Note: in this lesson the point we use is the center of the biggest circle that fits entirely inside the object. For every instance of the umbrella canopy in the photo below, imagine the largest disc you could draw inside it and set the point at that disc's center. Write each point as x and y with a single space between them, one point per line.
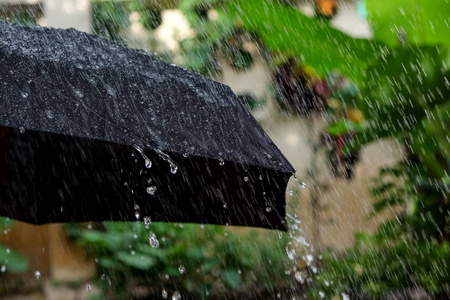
92 130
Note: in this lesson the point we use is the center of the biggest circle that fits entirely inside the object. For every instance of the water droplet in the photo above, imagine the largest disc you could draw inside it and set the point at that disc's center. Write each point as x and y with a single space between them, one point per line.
24 94
303 185
322 294
133 252
221 162
147 221
185 155
8 250
260 177
147 161
3 268
239 272
103 277
165 157
290 253
246 179
154 243
176 295
50 114
151 190
300 276
37 274
88 287
21 129
181 269
164 294
268 209
137 212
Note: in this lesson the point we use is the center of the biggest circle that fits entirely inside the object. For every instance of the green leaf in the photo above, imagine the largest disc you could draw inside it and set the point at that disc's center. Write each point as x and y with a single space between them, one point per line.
314 41
422 22
137 261
13 261
6 223
231 278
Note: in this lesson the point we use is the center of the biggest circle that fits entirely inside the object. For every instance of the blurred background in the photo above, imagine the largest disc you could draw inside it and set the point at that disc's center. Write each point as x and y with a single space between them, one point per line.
355 93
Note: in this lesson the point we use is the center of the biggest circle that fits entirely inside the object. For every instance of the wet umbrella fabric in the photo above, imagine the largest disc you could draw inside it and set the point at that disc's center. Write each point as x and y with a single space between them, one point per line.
92 130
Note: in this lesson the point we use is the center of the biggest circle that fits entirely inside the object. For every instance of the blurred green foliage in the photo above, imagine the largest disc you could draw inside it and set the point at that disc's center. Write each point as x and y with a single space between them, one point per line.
111 18
200 262
11 262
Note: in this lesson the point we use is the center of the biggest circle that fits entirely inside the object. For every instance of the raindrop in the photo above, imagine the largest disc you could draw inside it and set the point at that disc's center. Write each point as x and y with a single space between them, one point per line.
154 243
103 277
268 209
8 250
181 269
165 157
21 129
147 221
176 295
246 179
300 276
260 177
239 272
290 253
221 162
322 294
137 211
151 190
88 287
164 294
148 162
133 252
24 94
303 185
50 114
37 274
185 155
3 269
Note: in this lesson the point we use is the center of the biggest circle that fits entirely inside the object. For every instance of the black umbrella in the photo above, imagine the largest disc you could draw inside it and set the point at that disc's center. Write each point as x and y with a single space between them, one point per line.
92 130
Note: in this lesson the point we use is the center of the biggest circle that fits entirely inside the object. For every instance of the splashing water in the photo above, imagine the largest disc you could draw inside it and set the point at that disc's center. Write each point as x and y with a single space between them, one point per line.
165 157
154 243
147 222
181 269
151 190
176 295
137 212
164 294
148 162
